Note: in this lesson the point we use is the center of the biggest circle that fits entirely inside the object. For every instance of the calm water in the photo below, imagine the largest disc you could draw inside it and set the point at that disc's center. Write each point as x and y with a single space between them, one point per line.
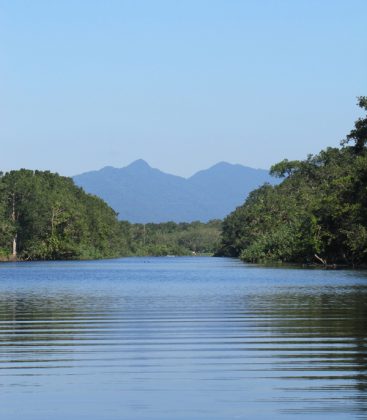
181 338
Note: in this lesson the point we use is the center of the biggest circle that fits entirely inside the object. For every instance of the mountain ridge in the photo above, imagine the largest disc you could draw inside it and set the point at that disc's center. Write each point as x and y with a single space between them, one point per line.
143 194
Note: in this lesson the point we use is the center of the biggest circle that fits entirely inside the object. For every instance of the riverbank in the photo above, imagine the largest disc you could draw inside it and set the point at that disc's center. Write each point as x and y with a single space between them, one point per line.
9 258
192 254
274 264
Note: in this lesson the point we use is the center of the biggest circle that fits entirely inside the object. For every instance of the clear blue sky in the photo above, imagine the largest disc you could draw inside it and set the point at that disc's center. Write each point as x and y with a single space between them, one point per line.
181 84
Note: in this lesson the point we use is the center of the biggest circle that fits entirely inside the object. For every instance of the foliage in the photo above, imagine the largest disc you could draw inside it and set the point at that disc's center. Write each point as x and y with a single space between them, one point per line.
172 238
318 213
48 217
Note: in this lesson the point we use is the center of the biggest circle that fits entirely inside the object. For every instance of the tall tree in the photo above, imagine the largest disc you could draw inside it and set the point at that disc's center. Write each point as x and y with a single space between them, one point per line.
318 213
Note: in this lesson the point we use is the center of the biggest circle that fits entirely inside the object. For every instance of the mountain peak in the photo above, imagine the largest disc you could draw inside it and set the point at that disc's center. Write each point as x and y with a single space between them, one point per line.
142 194
139 164
222 165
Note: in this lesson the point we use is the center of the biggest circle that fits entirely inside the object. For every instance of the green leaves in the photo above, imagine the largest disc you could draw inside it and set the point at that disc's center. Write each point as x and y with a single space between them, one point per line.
172 238
320 208
359 133
51 218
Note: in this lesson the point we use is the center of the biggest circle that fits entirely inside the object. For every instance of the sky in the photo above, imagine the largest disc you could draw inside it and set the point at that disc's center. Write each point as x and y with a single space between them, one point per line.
182 84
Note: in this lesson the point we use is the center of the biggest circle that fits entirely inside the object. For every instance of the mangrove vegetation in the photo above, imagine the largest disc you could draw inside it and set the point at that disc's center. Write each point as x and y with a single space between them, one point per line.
318 213
45 216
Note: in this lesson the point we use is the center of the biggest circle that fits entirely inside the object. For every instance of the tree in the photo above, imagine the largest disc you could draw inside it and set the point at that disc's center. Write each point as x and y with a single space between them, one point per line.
51 218
318 213
359 133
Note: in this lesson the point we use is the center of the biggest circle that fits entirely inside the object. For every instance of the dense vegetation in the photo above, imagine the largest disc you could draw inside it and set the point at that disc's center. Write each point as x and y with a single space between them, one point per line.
317 214
172 238
45 216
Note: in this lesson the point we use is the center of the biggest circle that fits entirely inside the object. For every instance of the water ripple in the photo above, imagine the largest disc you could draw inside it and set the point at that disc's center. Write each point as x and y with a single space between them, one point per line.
185 338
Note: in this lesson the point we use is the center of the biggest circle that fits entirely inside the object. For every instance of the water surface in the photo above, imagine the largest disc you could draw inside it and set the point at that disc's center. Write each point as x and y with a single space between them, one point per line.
181 338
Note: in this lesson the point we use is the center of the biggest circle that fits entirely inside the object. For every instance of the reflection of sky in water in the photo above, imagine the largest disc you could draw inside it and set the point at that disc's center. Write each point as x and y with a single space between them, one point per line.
179 338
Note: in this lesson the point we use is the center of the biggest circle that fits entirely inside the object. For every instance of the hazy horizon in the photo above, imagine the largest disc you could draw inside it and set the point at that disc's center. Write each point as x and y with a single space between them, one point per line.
136 160
170 173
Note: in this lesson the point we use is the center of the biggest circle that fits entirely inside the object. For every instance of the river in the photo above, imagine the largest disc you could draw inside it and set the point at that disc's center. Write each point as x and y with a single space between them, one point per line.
181 338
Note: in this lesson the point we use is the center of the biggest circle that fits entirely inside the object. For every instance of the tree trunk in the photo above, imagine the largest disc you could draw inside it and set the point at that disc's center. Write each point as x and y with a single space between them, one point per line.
15 246
321 260
13 217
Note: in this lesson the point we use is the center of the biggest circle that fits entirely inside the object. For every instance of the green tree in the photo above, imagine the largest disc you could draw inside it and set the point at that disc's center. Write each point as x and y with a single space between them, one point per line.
359 132
318 213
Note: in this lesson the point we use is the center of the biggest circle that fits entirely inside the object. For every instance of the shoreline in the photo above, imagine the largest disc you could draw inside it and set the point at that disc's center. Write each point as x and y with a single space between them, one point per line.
18 260
274 264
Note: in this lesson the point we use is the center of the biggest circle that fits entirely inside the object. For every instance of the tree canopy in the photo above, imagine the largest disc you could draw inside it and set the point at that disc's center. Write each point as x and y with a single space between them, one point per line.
318 213
45 216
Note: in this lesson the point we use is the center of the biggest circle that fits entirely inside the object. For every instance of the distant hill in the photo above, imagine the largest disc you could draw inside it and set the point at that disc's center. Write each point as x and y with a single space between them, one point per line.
141 194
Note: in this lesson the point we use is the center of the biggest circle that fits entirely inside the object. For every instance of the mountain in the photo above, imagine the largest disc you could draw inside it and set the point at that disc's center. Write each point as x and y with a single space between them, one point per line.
142 194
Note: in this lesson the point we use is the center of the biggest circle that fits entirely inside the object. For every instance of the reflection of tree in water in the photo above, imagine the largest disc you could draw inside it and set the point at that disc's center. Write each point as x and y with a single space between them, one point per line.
332 330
